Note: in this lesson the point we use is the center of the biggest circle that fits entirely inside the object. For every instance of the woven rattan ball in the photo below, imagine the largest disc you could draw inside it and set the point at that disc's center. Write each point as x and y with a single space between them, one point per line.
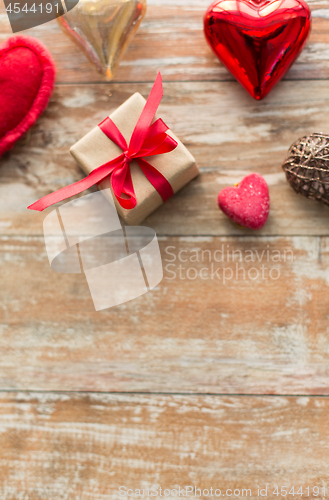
307 167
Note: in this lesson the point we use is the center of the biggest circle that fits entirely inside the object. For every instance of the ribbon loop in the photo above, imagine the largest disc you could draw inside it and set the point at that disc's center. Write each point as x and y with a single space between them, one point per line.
147 140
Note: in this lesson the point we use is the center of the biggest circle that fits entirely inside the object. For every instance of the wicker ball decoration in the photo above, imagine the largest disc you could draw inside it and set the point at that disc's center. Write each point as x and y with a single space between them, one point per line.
307 167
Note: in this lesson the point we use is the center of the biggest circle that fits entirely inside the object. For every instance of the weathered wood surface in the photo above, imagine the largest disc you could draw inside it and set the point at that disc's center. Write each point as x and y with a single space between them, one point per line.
225 129
87 446
196 332
171 39
247 336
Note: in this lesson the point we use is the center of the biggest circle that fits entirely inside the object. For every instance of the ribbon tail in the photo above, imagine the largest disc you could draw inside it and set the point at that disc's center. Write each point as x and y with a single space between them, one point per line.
158 181
146 117
124 186
93 178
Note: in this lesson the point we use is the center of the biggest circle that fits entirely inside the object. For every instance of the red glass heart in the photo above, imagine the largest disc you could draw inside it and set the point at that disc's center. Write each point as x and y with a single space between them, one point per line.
257 41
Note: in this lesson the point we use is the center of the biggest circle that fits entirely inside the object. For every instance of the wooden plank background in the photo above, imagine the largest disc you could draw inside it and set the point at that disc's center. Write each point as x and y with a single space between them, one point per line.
215 383
243 336
88 445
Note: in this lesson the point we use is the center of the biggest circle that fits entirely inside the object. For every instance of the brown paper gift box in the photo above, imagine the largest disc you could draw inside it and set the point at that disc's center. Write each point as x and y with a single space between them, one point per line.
95 149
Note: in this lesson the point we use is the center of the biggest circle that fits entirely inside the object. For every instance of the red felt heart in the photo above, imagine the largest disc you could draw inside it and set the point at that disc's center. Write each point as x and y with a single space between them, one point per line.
257 41
27 75
247 203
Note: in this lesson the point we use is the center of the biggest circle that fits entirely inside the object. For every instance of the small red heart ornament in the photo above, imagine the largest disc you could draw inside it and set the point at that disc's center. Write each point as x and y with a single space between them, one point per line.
247 203
27 76
257 41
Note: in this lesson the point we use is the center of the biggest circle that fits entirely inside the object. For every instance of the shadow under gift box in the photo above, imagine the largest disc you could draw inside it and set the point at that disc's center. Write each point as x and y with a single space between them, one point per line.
120 264
95 149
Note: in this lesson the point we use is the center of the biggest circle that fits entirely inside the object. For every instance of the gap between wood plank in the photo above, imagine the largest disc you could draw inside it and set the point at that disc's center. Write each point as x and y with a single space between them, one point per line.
149 82
144 393
223 236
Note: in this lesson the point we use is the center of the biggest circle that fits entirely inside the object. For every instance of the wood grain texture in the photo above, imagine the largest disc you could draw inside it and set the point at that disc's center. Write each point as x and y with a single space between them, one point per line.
228 133
241 331
171 39
87 446
196 332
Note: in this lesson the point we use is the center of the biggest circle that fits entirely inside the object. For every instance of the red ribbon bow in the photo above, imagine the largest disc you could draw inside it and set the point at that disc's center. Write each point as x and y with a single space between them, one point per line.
146 140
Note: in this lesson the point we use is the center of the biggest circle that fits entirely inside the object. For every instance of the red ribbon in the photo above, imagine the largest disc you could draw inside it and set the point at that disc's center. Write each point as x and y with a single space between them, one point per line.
146 140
